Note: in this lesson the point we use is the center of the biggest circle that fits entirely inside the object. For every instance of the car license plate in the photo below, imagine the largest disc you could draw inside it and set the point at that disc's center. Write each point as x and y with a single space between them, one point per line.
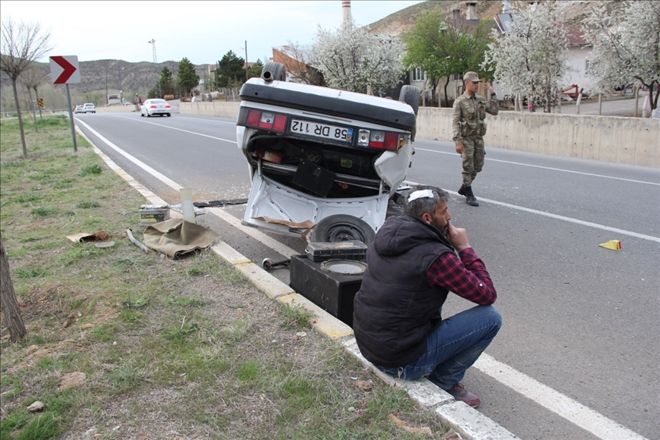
320 130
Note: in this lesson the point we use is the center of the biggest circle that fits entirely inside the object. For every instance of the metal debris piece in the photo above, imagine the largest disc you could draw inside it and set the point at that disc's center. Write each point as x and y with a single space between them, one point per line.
136 242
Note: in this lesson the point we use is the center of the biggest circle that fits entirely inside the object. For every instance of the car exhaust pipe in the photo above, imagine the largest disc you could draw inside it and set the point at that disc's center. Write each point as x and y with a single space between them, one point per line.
273 71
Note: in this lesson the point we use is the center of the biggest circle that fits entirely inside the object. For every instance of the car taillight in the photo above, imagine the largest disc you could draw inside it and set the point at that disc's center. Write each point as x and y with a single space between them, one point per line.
382 140
262 119
152 106
167 106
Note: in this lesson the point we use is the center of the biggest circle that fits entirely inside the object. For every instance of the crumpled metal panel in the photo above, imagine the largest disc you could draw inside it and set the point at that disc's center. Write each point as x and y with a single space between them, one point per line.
268 199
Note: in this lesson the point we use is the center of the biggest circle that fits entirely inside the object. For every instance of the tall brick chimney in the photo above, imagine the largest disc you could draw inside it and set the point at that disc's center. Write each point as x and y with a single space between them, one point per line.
346 13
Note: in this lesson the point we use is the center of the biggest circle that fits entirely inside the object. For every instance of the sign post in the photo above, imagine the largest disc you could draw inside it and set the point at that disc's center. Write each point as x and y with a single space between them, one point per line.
65 70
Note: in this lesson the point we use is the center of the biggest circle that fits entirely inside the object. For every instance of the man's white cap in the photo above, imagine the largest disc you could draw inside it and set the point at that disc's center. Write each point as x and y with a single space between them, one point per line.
420 194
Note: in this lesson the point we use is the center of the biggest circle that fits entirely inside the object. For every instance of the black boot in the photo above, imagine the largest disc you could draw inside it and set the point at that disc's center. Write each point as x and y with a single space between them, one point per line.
461 190
470 199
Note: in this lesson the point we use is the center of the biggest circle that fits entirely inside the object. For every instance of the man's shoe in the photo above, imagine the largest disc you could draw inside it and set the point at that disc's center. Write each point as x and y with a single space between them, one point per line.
460 393
471 200
462 190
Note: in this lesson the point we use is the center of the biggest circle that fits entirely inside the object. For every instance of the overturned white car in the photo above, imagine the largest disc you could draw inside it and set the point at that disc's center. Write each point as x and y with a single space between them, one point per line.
322 157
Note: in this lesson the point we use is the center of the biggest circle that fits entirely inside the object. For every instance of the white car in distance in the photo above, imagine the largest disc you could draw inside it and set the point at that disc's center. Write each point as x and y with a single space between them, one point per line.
156 106
87 107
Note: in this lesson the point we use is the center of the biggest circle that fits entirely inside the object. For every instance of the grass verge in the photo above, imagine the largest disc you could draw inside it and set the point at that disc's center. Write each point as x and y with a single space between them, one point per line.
126 345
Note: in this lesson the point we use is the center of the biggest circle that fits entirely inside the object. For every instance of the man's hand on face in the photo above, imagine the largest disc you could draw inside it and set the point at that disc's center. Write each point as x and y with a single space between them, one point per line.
458 237
459 148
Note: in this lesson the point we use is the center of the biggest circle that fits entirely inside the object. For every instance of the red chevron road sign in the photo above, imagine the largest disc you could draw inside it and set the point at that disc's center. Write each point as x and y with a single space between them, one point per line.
64 69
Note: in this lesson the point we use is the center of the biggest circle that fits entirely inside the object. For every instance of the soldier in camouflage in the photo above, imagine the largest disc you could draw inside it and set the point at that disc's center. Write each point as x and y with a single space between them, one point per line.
469 127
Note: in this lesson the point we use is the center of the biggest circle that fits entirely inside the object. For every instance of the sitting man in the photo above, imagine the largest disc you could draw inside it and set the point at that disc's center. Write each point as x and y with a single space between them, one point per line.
412 266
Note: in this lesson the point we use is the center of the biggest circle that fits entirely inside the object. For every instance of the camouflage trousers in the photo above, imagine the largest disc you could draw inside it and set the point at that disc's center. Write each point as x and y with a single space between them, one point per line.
473 158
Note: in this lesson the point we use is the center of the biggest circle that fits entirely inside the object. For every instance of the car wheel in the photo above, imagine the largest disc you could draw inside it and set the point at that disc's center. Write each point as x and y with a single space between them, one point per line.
273 71
410 95
342 227
169 115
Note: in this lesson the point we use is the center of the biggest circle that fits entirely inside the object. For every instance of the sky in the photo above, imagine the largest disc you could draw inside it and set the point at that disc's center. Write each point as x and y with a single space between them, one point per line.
202 31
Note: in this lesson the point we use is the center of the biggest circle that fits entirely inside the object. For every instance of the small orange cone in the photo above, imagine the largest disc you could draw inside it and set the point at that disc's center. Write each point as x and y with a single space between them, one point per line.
614 245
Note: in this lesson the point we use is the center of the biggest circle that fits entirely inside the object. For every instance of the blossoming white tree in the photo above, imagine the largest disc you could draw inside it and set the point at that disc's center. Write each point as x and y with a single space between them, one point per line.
626 45
531 57
352 59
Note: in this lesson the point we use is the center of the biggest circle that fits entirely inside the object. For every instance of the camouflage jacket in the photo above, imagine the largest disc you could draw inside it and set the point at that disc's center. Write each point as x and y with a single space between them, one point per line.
469 114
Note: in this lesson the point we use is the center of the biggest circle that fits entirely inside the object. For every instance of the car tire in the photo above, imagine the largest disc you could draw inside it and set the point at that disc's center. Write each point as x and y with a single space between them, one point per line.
273 72
169 115
342 227
410 95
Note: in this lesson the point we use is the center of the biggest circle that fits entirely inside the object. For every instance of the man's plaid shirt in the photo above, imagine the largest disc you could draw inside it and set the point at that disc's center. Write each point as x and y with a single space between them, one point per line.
466 277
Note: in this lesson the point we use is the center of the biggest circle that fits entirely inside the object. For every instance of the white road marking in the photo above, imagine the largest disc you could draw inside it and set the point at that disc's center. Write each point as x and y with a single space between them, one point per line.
547 397
191 132
645 182
233 141
166 180
571 220
561 217
558 403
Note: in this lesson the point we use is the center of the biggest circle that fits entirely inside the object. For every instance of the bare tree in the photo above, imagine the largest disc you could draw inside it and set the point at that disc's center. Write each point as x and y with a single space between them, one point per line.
32 78
8 303
21 45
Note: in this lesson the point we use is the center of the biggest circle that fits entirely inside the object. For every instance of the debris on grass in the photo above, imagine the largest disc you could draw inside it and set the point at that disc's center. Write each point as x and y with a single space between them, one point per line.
422 430
36 406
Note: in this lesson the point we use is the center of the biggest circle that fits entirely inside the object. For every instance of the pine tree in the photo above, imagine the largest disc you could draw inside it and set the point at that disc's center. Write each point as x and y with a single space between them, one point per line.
187 79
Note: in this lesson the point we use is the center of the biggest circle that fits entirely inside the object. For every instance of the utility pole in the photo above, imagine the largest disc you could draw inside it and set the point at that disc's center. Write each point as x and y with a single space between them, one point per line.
153 48
246 62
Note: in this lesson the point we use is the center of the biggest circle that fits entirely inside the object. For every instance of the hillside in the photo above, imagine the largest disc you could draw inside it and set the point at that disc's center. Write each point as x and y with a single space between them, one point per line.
95 78
122 75
401 21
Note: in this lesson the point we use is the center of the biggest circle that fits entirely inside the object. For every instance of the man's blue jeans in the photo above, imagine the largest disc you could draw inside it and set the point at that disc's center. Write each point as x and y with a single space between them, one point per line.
453 347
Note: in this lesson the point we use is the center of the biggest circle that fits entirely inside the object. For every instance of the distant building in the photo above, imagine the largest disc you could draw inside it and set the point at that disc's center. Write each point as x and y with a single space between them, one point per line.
296 66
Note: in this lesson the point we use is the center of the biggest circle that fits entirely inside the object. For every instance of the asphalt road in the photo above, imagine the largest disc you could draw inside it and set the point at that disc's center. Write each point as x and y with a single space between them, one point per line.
578 355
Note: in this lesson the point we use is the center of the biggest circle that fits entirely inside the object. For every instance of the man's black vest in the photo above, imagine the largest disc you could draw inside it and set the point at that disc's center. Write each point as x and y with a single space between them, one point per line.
396 307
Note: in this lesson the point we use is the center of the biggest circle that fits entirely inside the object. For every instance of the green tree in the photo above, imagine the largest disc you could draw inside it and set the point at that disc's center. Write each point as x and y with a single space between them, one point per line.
442 50
255 69
230 71
166 82
187 79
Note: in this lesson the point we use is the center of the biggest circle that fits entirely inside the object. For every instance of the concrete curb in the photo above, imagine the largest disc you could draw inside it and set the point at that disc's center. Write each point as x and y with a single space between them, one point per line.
468 422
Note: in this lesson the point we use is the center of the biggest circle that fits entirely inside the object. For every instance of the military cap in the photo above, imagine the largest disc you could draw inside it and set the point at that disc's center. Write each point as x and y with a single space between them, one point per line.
471 76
